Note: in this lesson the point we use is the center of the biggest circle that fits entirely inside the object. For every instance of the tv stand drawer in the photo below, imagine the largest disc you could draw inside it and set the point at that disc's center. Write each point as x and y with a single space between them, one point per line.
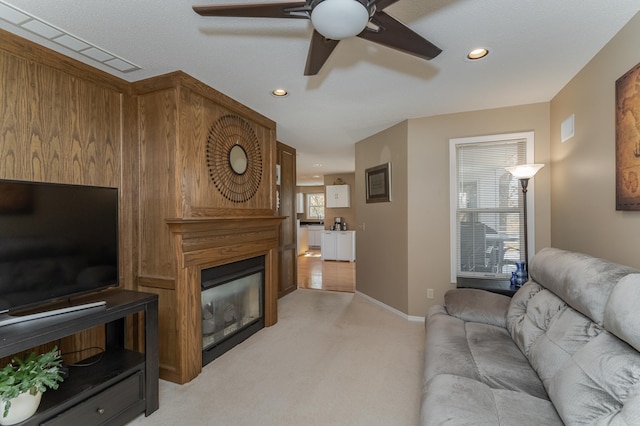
106 406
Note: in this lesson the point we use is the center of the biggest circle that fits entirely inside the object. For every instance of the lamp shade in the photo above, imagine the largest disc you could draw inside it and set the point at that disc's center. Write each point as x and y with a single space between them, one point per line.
524 171
339 19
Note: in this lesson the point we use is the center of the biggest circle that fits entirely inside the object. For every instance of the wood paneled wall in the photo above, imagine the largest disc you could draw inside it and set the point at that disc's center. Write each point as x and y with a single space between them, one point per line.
57 125
62 122
176 112
65 122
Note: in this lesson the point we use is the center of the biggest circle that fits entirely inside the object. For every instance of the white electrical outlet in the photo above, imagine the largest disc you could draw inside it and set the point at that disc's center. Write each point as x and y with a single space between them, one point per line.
429 293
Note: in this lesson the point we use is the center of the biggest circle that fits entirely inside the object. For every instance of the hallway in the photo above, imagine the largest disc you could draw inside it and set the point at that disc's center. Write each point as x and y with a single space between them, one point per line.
314 273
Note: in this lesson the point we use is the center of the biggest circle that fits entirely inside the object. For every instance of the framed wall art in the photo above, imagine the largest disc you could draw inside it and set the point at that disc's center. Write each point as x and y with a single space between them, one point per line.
378 183
628 140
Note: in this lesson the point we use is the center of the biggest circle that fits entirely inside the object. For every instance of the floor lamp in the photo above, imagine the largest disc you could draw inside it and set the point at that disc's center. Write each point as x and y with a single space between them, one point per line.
524 172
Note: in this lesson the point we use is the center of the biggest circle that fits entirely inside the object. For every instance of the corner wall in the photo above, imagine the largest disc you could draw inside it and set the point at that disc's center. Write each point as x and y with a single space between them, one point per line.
404 249
381 237
583 214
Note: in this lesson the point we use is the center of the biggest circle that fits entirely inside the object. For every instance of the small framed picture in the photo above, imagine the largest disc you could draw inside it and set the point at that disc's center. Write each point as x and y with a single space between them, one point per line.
378 183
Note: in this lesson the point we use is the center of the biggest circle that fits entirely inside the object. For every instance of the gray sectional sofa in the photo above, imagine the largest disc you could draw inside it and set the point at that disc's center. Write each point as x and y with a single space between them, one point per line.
564 349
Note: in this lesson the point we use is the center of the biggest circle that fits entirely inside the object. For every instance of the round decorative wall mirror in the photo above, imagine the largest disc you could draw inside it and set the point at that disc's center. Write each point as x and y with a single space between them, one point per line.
238 159
234 158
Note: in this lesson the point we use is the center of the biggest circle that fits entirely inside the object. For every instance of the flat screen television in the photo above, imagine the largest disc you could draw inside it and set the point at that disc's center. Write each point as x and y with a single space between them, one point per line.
56 241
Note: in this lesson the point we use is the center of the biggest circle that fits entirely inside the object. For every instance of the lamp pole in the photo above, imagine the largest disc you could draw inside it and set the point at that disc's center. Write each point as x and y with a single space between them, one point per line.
524 182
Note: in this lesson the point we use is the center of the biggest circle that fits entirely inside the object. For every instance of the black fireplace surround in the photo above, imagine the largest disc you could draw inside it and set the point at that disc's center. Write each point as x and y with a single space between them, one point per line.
232 305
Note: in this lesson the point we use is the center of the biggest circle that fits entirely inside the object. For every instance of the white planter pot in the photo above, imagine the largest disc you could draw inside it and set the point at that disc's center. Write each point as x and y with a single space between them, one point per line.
22 407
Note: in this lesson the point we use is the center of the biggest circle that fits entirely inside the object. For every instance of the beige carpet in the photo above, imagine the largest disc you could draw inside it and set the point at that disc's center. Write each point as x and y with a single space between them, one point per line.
332 359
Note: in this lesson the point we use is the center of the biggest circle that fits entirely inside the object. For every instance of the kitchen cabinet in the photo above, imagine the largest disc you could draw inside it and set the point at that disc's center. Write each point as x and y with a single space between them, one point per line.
339 245
337 196
315 235
329 249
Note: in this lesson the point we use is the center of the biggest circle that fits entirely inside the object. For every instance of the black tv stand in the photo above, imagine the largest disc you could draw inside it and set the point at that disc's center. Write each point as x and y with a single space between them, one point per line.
123 383
6 319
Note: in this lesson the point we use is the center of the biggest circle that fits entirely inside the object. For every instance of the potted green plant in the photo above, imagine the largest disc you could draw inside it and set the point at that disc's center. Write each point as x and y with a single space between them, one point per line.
22 382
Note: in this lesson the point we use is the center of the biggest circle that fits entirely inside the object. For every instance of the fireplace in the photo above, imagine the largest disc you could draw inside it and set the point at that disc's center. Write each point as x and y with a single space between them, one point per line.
200 243
232 305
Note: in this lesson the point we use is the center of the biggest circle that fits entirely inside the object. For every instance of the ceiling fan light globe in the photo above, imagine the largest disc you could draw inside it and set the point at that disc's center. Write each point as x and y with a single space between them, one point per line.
339 19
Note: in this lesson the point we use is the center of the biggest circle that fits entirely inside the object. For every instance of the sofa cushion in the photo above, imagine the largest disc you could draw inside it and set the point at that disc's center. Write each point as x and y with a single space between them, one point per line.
620 316
599 384
480 352
584 282
459 401
547 330
531 311
478 306
447 349
569 333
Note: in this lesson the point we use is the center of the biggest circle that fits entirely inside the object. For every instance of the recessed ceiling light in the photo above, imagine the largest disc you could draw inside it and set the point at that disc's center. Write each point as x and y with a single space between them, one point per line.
279 93
476 54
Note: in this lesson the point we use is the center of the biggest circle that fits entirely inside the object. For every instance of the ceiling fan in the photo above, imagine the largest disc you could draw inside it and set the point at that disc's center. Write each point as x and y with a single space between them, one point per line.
335 20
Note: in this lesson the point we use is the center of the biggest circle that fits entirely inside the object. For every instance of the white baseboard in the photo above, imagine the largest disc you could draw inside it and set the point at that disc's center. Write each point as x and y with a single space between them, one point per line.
391 309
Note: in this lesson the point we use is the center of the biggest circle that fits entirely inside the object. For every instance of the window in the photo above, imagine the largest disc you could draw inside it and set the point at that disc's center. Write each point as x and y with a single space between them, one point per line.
487 231
315 206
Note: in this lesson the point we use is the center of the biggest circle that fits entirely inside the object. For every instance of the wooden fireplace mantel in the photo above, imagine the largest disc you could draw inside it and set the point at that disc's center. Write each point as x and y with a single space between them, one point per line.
213 241
199 243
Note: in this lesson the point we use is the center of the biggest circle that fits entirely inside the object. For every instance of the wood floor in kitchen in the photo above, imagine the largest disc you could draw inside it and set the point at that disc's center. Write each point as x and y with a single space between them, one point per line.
314 273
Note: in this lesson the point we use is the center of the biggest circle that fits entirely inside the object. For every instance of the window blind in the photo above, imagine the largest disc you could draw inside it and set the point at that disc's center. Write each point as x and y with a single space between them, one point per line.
489 212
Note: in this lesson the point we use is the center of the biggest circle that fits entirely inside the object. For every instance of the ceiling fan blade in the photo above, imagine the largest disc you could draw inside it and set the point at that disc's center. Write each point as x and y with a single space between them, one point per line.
319 51
383 4
394 34
297 9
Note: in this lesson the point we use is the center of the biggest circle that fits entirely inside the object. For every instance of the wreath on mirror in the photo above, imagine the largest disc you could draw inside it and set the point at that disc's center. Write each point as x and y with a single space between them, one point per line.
234 158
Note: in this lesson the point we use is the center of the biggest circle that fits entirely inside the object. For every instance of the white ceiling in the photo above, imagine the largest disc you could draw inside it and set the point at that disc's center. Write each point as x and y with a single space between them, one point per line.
536 47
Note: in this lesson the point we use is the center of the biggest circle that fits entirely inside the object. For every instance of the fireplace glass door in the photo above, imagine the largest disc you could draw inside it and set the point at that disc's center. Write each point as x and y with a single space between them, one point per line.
232 304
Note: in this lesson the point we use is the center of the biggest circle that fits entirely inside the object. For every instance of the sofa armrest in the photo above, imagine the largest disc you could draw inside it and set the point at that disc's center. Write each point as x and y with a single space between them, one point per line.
478 306
434 310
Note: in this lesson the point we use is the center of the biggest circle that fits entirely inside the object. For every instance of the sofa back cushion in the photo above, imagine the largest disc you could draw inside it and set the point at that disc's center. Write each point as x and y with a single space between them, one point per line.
599 384
564 320
531 310
582 281
547 330
621 316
